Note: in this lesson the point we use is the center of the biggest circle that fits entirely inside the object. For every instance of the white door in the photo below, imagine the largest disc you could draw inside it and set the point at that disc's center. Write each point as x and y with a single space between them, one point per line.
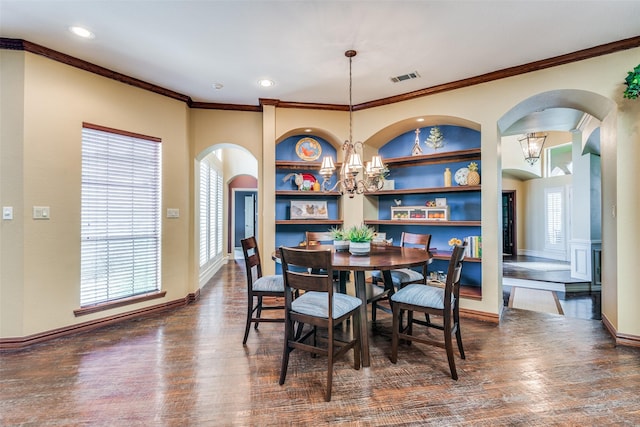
249 215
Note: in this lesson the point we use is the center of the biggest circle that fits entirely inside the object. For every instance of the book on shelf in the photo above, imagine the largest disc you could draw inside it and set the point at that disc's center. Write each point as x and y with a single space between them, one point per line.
474 246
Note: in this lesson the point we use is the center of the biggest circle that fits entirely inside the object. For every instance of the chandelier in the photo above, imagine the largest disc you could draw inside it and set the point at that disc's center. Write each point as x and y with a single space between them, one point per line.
349 182
532 144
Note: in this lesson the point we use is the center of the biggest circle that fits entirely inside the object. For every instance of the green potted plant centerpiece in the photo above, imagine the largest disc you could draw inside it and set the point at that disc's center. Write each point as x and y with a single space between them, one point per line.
340 239
360 238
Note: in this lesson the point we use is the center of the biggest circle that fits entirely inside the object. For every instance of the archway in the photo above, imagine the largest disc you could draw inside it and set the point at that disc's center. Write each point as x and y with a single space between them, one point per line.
215 169
583 115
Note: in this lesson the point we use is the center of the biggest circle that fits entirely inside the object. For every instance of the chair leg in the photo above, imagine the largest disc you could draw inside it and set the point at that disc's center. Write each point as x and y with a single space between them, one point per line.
409 325
374 308
456 324
248 325
448 344
395 330
329 362
299 331
288 334
259 312
459 341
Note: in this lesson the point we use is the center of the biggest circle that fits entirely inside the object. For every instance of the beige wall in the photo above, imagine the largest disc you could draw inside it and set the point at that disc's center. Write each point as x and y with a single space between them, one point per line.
45 261
57 98
11 190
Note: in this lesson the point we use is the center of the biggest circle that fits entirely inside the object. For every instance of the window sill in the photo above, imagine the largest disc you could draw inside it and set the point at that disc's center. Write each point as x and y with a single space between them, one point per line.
118 303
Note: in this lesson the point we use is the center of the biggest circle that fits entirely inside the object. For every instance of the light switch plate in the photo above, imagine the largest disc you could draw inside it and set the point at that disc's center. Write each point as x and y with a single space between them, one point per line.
7 212
173 213
41 212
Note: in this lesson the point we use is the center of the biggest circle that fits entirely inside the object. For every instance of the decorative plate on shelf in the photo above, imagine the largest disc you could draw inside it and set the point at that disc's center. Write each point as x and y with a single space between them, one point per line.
461 176
308 149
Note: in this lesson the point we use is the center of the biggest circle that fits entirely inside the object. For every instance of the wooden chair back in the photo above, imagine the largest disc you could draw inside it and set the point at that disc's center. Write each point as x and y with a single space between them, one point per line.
415 240
452 284
318 237
251 259
297 265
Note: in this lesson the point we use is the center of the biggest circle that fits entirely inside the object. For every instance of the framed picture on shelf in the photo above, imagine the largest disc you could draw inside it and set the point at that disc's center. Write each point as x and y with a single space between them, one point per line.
441 202
309 209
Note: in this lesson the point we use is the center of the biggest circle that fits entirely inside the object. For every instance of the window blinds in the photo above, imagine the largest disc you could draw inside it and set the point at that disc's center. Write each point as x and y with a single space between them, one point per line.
120 249
211 211
555 236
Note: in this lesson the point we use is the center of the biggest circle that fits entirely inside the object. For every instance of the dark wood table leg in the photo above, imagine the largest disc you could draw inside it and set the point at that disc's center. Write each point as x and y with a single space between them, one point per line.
361 292
342 287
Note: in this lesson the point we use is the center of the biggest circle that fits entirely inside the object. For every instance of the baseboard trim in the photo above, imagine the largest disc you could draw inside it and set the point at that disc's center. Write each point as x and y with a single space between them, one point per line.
625 340
480 315
19 343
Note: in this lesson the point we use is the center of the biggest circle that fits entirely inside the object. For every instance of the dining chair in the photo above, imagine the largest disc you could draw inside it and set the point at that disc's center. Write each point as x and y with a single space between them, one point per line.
318 238
313 238
316 306
431 300
402 276
259 287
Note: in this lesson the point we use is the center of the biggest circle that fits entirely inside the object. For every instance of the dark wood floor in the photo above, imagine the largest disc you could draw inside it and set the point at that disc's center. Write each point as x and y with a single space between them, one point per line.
583 305
189 368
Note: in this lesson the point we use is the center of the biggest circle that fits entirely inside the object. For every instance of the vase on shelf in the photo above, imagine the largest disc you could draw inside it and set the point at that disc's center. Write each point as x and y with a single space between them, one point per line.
447 177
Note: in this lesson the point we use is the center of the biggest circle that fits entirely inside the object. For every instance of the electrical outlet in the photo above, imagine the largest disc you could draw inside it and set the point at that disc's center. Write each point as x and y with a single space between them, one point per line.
41 212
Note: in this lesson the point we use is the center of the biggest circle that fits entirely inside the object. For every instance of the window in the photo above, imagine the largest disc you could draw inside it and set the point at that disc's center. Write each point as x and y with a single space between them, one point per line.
120 249
211 209
559 161
554 218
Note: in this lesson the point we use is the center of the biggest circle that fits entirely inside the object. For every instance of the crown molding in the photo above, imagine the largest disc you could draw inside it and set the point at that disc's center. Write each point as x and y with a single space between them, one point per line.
604 49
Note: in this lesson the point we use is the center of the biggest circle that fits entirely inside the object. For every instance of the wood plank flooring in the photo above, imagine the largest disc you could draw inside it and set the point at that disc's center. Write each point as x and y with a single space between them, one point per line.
188 367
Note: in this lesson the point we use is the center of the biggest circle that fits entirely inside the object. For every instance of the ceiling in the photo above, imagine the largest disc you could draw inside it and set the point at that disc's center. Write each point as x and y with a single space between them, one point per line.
189 46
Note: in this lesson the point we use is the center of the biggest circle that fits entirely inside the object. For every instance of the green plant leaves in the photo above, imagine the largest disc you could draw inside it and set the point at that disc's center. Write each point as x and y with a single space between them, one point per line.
633 83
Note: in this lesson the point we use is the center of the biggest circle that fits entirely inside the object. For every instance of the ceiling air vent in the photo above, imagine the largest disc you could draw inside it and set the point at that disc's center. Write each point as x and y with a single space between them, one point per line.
404 77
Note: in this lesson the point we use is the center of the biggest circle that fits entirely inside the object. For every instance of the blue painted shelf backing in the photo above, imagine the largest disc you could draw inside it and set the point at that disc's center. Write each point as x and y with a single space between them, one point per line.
286 149
456 138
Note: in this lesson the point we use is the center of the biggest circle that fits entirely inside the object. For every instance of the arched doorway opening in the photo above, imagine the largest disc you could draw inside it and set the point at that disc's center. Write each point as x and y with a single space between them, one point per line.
215 170
576 118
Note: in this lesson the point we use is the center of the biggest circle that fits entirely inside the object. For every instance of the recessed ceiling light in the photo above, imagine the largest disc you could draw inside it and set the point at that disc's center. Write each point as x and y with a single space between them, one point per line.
82 32
218 86
266 83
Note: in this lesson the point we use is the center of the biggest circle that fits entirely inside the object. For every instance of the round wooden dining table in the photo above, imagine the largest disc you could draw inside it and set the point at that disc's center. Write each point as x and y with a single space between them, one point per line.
383 258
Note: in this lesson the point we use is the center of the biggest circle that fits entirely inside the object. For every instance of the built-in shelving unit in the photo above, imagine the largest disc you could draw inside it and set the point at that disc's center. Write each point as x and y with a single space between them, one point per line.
422 222
419 179
290 232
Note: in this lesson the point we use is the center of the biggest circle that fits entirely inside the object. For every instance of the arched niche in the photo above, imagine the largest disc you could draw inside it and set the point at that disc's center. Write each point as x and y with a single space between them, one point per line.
386 134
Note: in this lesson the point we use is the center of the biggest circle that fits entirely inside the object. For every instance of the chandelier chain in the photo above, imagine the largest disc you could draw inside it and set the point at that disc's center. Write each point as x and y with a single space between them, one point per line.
350 102
348 181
